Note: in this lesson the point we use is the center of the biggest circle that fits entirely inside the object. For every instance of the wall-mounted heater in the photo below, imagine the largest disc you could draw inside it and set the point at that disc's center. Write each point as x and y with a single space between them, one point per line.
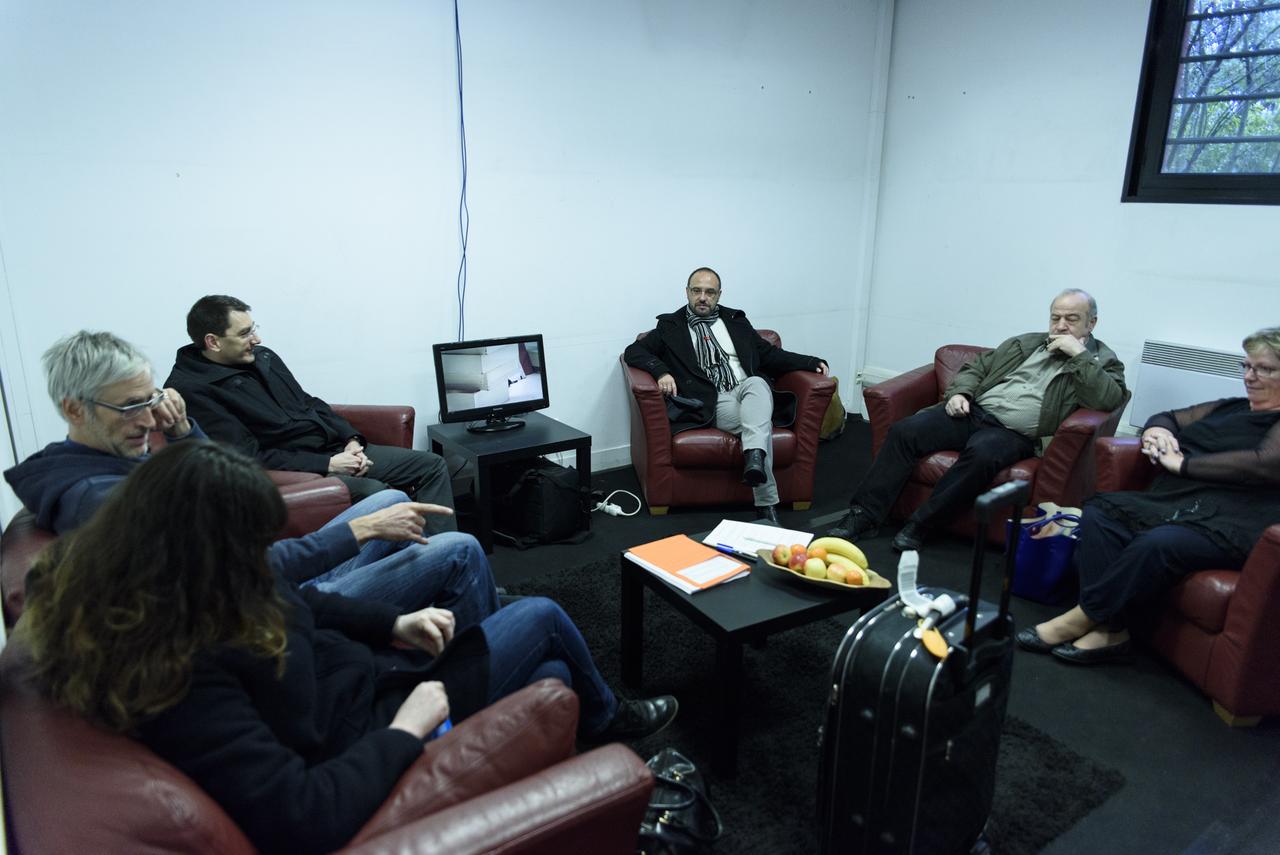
1178 375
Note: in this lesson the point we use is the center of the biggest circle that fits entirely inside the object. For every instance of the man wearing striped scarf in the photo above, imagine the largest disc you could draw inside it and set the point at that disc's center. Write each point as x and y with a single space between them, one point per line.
712 364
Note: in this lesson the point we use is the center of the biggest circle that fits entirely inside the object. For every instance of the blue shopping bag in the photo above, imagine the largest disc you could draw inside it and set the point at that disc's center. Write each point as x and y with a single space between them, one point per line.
1043 570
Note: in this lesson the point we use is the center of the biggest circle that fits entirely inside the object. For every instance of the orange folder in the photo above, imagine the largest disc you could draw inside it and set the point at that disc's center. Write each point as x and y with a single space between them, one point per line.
690 566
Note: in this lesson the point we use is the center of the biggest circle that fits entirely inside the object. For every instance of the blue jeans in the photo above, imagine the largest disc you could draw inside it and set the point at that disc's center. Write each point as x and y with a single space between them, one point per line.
449 571
533 638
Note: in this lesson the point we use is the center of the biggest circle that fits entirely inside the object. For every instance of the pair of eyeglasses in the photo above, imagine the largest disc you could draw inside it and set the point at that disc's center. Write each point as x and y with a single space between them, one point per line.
247 334
134 411
1266 372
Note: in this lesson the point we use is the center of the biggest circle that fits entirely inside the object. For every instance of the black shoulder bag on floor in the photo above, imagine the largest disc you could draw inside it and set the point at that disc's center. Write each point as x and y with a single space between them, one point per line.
539 501
681 819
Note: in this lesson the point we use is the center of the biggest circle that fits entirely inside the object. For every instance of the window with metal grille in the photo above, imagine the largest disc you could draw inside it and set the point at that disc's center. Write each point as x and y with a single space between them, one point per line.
1207 123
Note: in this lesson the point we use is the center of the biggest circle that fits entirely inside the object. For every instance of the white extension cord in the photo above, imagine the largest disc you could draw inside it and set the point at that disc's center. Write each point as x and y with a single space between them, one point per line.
616 510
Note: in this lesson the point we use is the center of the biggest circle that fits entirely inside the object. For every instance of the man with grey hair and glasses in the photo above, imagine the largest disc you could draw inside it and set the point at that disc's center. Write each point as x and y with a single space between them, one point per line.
103 388
1001 407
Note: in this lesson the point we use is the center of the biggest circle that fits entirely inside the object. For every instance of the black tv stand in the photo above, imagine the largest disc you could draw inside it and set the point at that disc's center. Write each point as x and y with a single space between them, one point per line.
542 435
495 425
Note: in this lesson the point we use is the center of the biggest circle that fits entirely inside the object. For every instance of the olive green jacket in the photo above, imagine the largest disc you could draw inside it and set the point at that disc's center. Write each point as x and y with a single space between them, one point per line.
1093 379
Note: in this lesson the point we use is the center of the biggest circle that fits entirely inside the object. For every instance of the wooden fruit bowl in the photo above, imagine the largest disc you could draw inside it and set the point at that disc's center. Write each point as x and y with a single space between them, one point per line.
874 579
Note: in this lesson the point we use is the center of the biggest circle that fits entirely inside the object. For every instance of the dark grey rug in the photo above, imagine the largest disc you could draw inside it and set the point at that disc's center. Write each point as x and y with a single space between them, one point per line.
1042 786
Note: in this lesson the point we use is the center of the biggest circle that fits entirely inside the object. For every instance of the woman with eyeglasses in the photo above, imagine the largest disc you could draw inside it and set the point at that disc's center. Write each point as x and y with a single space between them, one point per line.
290 707
1217 491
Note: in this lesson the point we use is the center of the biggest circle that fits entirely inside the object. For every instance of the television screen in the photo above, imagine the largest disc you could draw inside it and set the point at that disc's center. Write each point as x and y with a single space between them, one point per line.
489 380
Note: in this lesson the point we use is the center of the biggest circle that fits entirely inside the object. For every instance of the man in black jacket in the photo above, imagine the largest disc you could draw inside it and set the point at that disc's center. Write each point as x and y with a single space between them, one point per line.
244 395
711 364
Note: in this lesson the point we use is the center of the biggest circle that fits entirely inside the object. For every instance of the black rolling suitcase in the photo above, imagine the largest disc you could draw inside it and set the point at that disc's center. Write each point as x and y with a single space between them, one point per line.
909 740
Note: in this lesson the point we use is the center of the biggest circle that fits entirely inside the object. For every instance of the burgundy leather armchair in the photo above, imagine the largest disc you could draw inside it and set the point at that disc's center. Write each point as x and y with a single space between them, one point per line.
314 499
1218 627
390 424
1065 474
704 466
504 780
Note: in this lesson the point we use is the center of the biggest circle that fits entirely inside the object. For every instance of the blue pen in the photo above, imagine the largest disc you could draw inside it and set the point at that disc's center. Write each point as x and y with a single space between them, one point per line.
726 548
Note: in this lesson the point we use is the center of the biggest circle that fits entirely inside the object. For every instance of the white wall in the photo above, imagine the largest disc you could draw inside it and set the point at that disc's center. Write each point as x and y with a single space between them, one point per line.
1005 143
303 156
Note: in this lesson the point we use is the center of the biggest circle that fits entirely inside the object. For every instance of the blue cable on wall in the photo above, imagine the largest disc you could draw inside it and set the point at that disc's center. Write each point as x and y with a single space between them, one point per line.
464 215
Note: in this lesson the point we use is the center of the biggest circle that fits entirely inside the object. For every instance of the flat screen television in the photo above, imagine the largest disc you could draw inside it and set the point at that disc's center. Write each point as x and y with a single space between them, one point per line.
487 381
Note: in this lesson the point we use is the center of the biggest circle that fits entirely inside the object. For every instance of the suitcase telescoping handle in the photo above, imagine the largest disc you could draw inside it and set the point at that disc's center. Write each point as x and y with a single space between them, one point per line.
1013 494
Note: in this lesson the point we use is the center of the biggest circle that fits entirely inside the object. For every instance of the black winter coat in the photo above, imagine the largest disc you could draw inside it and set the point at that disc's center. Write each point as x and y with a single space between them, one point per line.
261 410
668 349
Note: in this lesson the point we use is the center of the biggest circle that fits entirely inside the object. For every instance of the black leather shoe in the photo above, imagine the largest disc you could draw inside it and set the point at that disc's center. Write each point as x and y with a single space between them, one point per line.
637 719
753 474
911 537
767 514
1029 639
1097 656
854 525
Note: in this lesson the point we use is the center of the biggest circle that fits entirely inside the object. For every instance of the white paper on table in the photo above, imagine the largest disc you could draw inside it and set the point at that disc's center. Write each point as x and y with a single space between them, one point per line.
748 537
700 574
678 583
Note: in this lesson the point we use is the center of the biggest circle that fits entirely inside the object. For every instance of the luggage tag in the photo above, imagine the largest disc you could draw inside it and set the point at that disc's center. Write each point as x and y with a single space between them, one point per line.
929 612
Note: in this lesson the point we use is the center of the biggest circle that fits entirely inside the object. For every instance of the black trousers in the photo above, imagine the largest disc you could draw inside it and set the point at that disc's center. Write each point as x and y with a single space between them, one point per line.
421 474
985 447
1122 569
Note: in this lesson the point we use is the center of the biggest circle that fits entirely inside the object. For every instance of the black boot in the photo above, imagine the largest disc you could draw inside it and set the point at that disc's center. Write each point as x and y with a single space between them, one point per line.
767 514
637 719
855 525
753 474
911 537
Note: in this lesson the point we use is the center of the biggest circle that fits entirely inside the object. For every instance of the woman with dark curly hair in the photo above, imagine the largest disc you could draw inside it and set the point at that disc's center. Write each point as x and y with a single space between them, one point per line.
1218 491
162 618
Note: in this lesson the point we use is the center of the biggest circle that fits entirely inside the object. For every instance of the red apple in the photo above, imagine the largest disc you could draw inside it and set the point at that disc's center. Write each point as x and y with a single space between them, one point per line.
797 559
781 554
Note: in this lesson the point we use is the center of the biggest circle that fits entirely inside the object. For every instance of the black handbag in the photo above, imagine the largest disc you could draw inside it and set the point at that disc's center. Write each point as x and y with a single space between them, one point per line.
539 501
681 819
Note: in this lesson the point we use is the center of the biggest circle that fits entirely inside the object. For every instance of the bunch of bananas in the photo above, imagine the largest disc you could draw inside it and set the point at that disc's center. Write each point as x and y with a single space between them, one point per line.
840 550
832 558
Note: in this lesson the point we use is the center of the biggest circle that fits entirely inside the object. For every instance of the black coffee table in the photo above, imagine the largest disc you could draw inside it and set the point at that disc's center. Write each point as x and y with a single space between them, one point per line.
733 614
